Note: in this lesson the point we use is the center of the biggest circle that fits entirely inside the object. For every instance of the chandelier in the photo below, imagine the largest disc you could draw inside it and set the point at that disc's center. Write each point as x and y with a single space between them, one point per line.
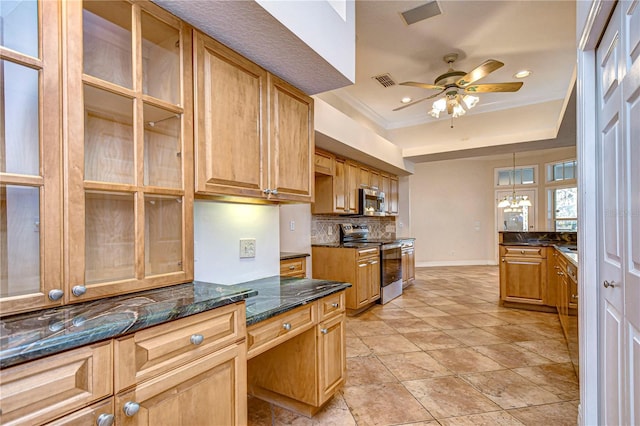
514 202
454 103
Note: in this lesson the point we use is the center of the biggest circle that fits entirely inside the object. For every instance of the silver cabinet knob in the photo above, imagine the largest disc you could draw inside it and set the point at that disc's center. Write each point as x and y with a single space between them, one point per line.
521 251
274 192
324 331
196 339
574 296
503 260
286 326
78 290
131 408
291 268
56 294
608 284
560 273
266 191
335 305
105 419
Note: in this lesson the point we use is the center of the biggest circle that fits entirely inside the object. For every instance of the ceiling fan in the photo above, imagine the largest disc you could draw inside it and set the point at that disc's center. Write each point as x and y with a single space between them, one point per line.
453 82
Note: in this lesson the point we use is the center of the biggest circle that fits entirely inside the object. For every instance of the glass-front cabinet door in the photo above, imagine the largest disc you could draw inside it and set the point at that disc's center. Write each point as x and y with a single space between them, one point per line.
30 156
129 148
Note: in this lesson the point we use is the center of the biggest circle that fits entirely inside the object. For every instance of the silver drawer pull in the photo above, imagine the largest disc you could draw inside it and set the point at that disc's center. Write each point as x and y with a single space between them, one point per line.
291 268
196 339
574 296
562 273
521 251
78 290
56 294
105 419
324 331
131 408
608 284
286 326
335 305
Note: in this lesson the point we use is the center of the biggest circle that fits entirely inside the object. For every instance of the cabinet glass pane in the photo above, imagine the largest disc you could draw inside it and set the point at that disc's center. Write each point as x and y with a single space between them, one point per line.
109 237
163 234
160 59
19 26
108 137
162 149
106 30
19 240
19 146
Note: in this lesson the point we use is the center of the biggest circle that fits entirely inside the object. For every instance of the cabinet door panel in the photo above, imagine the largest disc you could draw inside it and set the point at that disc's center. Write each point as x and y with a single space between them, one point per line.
88 415
291 141
332 356
364 282
523 279
230 112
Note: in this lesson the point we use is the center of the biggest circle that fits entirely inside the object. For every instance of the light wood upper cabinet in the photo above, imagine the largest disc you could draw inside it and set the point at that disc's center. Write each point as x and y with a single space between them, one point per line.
230 135
352 186
30 158
374 180
392 198
128 198
254 132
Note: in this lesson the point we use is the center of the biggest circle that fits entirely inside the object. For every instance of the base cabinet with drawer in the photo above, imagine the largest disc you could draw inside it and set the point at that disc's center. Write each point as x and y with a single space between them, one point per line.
188 371
408 263
358 266
298 359
296 268
523 275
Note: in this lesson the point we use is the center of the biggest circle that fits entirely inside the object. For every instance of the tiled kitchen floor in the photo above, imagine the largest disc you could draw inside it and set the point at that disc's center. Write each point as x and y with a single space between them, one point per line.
446 354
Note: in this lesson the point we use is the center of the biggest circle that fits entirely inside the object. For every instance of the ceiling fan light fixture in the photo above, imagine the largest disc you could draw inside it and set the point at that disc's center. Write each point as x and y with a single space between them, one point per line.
440 105
522 74
458 110
470 101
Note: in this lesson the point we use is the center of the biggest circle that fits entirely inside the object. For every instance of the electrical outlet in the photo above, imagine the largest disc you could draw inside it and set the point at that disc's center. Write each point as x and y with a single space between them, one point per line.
292 225
247 247
330 230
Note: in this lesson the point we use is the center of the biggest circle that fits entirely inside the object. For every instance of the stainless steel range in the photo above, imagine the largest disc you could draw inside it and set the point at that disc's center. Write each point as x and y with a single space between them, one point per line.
390 258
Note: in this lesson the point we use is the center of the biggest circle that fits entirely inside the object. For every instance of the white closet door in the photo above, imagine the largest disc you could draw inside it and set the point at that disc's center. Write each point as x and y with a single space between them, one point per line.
610 223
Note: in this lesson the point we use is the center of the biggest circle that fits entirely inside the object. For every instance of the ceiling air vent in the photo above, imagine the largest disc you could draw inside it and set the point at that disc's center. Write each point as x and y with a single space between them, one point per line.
420 13
385 80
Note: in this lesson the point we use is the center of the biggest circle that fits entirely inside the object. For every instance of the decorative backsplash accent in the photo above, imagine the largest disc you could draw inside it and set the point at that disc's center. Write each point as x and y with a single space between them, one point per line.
325 229
540 237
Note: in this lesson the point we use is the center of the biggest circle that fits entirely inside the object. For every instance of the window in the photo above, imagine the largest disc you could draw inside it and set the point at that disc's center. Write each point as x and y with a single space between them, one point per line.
519 176
564 211
564 170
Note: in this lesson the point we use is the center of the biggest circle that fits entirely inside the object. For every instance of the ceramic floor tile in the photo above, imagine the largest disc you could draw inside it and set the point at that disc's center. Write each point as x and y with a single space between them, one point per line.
432 340
426 311
398 313
447 322
458 309
403 326
384 404
437 300
464 360
366 371
474 336
482 320
514 317
413 365
370 328
551 330
514 333
555 350
559 379
390 344
511 355
510 390
449 397
258 412
356 347
406 302
560 414
495 418
336 412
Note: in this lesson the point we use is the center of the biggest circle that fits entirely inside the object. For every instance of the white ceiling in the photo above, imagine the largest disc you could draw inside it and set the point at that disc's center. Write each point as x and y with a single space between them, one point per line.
524 34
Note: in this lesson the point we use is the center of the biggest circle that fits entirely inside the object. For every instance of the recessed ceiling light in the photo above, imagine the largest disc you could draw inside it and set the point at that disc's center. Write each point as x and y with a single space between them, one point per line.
522 74
406 100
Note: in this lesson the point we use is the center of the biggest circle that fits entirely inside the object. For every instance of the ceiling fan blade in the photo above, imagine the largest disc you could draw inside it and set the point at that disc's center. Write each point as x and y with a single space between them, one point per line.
418 101
494 87
481 71
422 85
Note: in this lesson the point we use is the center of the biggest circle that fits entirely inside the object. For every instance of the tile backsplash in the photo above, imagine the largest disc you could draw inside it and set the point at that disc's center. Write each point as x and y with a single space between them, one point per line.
326 229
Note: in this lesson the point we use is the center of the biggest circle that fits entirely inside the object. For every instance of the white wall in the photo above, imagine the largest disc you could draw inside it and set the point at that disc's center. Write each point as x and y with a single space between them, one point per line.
298 240
218 228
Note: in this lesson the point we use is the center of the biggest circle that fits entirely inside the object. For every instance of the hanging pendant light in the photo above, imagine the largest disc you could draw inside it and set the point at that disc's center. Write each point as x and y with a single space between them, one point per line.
514 202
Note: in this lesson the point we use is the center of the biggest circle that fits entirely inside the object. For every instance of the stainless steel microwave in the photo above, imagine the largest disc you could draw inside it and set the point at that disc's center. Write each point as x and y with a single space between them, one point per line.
371 202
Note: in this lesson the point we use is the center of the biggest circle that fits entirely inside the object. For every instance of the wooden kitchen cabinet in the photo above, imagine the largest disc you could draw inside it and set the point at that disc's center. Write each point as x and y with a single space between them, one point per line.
129 198
392 198
332 356
103 411
523 275
360 267
294 267
375 180
31 168
408 263
254 133
324 163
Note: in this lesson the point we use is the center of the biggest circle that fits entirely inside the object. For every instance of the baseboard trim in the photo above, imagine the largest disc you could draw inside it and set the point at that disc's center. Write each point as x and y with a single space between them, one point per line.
456 263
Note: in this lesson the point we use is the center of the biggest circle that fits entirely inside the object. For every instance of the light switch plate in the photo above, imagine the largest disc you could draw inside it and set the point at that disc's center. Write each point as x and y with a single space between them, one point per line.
247 247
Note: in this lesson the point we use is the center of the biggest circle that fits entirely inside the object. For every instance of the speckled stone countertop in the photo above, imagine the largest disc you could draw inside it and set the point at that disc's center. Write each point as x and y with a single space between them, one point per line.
29 336
286 255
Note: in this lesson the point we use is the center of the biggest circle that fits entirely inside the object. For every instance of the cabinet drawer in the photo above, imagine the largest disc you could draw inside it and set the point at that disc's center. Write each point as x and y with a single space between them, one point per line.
159 349
88 415
43 390
323 163
331 305
520 251
270 333
293 267
368 252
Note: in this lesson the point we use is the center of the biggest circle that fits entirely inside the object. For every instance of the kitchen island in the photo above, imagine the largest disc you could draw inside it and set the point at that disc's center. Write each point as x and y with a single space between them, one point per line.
142 356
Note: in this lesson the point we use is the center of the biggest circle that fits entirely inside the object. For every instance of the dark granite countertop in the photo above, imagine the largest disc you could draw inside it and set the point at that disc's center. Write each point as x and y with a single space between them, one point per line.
29 336
286 255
